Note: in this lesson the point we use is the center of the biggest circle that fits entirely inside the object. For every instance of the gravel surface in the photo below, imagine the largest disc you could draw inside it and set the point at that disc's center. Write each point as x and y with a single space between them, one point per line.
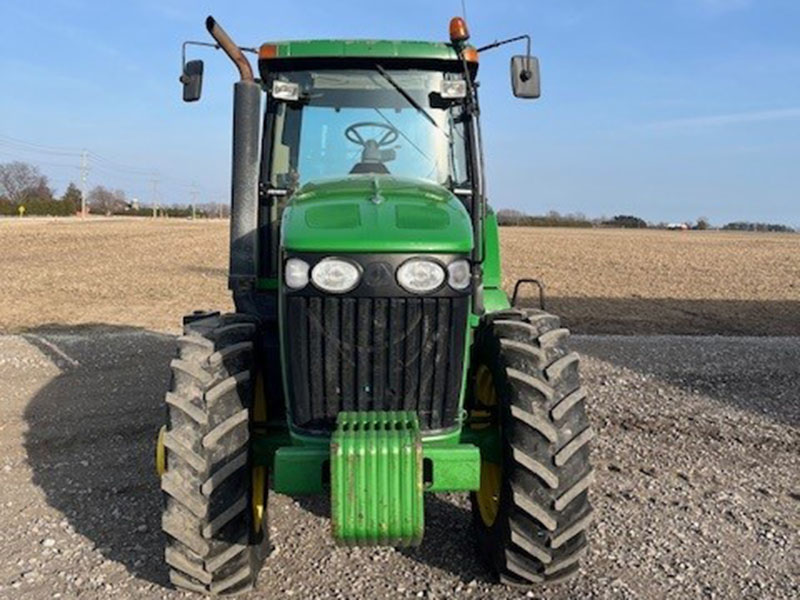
697 495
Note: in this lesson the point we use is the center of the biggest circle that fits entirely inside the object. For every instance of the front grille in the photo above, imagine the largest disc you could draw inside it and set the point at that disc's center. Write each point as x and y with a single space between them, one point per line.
374 354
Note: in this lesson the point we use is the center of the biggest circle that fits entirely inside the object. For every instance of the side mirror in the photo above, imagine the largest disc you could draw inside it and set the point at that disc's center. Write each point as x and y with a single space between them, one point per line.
525 77
192 80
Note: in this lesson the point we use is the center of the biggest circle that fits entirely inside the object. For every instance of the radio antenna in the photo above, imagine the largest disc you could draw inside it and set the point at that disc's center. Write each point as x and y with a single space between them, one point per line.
464 9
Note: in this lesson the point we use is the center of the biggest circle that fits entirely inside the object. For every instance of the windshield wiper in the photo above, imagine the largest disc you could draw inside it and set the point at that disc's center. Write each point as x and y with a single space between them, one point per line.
402 134
409 98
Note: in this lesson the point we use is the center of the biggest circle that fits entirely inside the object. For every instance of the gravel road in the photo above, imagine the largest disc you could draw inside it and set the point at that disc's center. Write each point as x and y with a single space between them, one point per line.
697 459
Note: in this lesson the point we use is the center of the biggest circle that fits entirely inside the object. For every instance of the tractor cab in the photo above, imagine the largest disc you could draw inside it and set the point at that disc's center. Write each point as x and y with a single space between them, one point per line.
373 115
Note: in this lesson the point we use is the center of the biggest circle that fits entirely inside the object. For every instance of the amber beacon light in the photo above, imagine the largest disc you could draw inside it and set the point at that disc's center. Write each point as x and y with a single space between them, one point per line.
458 30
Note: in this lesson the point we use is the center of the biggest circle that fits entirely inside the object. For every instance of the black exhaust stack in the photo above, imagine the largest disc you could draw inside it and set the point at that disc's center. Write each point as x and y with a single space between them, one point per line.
243 270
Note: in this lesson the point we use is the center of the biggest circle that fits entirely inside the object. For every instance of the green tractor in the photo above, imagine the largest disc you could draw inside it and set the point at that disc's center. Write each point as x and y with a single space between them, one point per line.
373 355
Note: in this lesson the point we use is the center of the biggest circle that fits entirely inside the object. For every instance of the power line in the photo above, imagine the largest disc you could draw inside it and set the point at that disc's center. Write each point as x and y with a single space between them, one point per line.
87 161
112 164
34 147
40 162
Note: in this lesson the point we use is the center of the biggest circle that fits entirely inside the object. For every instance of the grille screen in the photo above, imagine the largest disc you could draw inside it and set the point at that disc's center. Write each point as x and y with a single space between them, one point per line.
375 354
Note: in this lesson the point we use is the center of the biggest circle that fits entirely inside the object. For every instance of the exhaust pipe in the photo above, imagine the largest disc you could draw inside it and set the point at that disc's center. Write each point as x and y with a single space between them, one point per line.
232 50
243 271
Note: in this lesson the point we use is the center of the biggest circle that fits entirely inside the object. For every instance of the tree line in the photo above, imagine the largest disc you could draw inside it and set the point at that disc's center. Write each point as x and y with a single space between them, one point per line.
510 217
747 226
22 185
516 218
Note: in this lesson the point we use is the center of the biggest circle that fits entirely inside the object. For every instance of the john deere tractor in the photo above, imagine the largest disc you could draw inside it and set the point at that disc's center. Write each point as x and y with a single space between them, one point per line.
373 355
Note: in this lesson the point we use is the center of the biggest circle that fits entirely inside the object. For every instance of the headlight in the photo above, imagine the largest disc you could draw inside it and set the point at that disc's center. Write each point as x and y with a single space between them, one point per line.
295 273
458 275
419 275
335 275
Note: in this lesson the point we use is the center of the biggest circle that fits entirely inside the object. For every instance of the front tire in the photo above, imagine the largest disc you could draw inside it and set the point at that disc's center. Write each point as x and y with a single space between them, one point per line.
214 496
532 510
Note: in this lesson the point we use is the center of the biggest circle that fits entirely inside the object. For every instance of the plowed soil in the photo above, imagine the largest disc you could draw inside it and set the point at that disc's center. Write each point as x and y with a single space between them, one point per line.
147 273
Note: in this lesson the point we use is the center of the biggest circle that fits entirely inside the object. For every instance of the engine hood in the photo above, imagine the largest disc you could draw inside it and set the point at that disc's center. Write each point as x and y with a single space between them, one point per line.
375 213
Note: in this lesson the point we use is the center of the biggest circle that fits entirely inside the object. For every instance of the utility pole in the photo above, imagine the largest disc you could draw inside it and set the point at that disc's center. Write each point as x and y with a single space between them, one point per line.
194 193
84 176
155 182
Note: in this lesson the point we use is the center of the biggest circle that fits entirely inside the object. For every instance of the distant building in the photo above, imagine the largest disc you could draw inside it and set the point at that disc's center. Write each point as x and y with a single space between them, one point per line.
677 227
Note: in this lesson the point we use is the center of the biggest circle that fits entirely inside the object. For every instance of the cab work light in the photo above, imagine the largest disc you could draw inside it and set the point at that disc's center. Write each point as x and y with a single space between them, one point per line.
453 89
285 90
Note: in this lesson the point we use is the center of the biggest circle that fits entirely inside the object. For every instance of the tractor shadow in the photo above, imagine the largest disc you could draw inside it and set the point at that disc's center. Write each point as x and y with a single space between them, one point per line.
643 336
90 438
449 541
636 315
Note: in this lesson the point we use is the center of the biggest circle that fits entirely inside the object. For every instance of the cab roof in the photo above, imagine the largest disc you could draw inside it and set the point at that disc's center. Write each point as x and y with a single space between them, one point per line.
360 49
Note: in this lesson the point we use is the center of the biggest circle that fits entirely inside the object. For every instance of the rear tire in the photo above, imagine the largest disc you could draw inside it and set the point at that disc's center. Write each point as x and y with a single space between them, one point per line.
212 545
531 523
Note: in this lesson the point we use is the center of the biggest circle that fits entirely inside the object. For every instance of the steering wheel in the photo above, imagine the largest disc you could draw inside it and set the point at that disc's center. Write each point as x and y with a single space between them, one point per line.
388 138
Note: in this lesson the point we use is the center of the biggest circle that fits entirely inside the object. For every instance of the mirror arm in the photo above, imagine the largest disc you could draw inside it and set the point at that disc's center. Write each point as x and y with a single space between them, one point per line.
183 53
207 45
526 75
496 43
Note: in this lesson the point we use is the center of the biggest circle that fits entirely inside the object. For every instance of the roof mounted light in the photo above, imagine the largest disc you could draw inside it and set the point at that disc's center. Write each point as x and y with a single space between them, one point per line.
470 54
267 51
458 30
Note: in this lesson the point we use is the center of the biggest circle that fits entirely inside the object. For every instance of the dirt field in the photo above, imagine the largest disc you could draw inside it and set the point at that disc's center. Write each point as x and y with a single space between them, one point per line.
147 274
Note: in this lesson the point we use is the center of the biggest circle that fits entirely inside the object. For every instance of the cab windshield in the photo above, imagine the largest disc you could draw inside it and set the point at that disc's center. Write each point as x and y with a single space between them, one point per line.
365 122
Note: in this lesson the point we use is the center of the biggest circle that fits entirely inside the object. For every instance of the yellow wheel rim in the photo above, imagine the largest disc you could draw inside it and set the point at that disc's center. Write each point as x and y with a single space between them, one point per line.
491 473
161 454
484 387
489 492
259 474
485 397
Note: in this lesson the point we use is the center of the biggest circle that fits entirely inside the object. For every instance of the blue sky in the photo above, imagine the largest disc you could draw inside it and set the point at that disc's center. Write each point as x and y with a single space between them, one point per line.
667 109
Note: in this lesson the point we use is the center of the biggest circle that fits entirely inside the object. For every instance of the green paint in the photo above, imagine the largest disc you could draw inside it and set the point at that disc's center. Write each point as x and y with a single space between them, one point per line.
266 441
333 216
300 470
487 439
323 441
376 479
265 283
454 468
494 299
364 48
346 215
491 249
411 216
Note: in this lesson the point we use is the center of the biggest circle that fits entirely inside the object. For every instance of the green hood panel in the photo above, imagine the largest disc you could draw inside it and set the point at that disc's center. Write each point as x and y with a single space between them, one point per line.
375 213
